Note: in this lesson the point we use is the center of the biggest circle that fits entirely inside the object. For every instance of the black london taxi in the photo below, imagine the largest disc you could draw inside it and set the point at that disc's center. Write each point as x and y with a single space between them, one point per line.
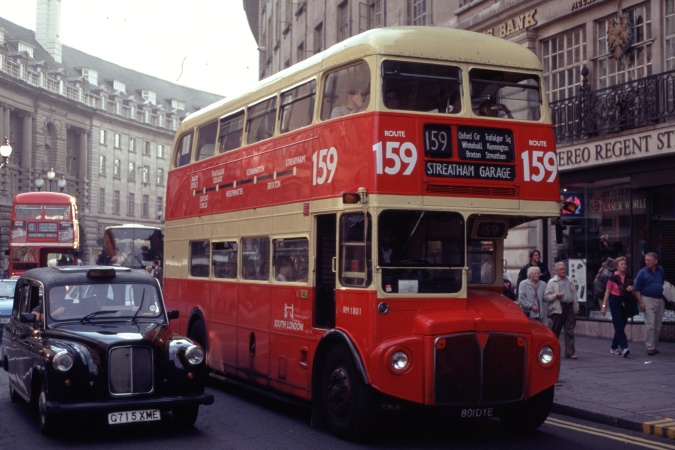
97 340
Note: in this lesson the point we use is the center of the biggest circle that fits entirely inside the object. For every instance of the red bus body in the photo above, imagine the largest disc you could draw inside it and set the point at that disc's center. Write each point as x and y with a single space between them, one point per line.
45 230
473 351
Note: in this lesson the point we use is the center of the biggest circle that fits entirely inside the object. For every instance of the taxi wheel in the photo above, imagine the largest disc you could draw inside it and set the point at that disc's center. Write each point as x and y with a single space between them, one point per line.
48 424
348 405
185 416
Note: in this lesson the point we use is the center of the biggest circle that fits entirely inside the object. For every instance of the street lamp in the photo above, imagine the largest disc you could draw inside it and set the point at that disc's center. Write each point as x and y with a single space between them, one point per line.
5 152
50 176
39 183
62 183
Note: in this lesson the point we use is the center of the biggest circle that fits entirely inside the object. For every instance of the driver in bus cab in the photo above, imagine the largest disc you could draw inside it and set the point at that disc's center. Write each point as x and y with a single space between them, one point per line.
490 108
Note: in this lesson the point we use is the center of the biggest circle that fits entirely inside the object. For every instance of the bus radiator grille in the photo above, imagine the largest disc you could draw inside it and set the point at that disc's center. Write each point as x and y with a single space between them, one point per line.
473 191
130 370
468 374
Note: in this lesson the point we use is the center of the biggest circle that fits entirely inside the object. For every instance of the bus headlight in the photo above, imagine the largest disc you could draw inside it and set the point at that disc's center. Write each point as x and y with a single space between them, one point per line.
194 355
399 361
546 355
63 361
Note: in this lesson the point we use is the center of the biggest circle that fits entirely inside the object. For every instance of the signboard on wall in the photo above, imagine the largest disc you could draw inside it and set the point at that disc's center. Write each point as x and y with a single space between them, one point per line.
577 272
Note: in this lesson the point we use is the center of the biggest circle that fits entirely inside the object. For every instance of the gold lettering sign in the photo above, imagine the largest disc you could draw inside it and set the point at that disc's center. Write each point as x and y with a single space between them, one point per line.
515 24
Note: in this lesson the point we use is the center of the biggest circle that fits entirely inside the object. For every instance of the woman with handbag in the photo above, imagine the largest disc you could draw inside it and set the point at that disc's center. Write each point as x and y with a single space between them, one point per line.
618 292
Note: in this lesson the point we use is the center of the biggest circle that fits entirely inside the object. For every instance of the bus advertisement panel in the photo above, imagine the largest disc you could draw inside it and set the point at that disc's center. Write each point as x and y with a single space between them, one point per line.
44 231
338 234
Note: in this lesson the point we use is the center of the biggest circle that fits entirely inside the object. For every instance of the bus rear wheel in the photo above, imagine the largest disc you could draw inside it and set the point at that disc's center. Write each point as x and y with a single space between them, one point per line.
347 403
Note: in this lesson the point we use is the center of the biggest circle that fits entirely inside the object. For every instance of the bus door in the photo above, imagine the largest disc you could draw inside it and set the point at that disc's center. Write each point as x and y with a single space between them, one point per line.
324 298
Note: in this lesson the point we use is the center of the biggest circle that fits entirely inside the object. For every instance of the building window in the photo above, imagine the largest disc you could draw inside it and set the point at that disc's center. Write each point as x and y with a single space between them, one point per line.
343 21
669 17
119 86
636 62
160 151
318 38
23 47
102 137
117 169
418 9
178 104
562 58
101 165
160 206
132 144
130 204
116 202
375 14
118 140
149 96
145 174
145 206
160 177
146 148
132 172
101 200
91 76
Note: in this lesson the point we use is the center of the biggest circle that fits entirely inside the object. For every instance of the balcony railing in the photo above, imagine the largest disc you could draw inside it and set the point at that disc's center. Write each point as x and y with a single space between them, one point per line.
625 106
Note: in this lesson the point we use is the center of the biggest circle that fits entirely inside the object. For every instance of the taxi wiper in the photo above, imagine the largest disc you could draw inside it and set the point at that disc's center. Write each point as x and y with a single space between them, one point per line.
133 319
88 317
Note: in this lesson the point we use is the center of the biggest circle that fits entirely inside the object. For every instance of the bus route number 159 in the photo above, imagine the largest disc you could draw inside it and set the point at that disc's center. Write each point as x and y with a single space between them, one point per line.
324 163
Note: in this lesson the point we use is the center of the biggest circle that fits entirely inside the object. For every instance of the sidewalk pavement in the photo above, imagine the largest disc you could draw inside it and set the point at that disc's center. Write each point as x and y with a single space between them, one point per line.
636 393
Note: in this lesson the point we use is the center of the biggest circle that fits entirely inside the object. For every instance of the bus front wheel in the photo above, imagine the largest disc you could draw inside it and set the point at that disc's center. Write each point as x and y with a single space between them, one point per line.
347 403
529 414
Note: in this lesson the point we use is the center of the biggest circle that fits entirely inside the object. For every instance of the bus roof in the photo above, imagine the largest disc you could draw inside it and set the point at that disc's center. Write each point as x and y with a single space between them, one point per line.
410 41
43 198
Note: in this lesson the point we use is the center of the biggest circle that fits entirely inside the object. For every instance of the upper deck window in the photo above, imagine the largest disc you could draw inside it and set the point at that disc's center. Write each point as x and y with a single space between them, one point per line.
206 140
261 120
231 131
421 87
506 95
182 155
28 212
297 106
346 91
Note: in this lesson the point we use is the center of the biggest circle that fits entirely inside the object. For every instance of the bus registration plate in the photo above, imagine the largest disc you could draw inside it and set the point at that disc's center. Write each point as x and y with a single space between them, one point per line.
476 413
133 416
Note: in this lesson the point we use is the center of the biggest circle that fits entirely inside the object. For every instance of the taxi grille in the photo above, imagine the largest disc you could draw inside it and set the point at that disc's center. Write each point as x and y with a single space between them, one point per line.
130 370
468 374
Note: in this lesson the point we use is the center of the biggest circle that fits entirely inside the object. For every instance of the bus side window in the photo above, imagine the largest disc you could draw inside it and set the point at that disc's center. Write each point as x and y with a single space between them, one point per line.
340 88
255 257
206 141
182 155
297 107
291 259
199 258
224 259
231 132
261 120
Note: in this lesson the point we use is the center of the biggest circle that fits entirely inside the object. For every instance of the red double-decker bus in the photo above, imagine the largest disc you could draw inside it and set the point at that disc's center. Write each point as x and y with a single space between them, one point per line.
337 234
45 231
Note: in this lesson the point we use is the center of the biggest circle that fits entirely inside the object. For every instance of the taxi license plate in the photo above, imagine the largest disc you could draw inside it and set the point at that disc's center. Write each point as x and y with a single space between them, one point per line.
133 416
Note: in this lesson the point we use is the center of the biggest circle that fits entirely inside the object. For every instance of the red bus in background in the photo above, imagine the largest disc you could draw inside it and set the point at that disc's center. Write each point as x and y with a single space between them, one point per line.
337 234
44 231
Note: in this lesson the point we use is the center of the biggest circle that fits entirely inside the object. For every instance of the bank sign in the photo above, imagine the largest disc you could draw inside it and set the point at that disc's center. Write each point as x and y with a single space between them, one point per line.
658 142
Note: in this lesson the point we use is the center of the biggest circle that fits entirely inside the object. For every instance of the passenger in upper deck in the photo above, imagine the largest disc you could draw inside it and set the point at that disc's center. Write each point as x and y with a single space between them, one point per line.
392 99
356 101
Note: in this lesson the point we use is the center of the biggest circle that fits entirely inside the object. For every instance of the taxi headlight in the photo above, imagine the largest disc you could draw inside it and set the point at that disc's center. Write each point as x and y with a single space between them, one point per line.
546 355
63 361
194 355
399 361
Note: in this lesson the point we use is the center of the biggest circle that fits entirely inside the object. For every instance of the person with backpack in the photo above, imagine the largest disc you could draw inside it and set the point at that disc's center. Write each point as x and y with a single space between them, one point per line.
618 288
649 292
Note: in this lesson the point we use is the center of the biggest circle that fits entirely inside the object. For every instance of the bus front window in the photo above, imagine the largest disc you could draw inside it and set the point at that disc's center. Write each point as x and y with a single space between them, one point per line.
415 86
420 251
510 95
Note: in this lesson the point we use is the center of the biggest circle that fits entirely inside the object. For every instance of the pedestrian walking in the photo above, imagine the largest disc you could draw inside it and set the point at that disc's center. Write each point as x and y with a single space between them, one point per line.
619 290
535 261
561 294
649 292
531 296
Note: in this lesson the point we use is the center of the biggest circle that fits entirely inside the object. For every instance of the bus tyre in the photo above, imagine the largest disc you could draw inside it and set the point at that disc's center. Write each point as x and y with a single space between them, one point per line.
185 416
347 403
528 415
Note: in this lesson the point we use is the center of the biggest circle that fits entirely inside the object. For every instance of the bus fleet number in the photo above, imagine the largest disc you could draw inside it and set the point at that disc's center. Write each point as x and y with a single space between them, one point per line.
537 165
324 161
391 159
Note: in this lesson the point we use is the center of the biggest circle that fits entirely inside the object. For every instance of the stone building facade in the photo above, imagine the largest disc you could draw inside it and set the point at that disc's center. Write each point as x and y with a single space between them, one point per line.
105 131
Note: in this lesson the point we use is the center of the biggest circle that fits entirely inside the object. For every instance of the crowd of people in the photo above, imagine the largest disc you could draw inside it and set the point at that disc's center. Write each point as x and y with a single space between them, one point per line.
554 300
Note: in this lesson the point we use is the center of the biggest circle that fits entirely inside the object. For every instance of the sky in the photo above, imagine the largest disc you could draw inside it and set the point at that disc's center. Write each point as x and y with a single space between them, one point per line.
202 44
